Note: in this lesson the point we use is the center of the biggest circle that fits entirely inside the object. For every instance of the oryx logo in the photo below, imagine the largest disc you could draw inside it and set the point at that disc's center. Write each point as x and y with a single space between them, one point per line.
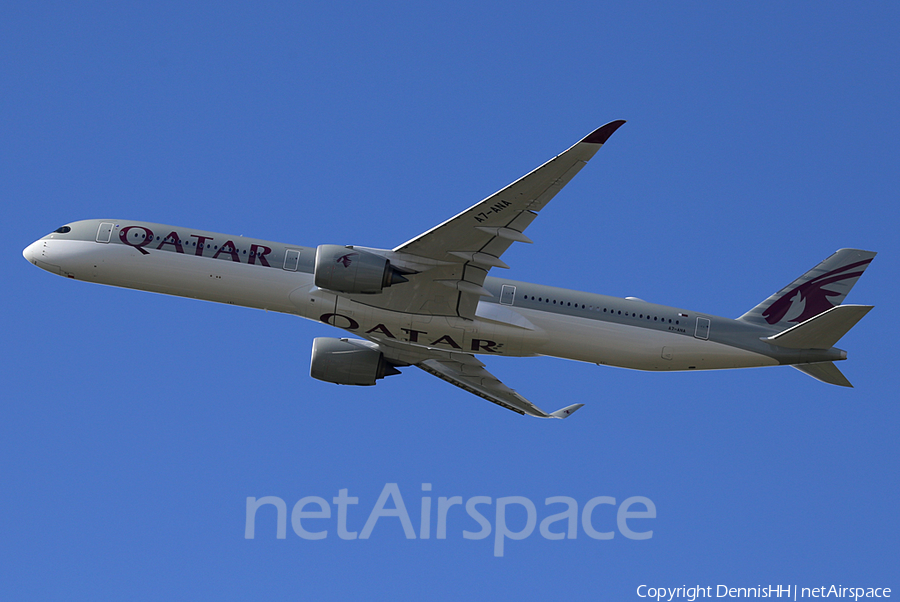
812 298
345 259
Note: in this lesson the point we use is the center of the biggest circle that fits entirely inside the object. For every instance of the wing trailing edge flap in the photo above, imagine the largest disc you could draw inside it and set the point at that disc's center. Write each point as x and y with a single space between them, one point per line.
469 374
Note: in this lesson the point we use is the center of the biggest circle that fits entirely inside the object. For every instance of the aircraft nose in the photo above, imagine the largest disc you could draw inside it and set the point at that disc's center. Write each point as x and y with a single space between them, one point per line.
38 253
30 252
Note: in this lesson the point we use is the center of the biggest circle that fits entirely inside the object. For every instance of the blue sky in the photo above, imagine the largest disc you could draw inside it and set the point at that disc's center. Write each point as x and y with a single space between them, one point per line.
134 426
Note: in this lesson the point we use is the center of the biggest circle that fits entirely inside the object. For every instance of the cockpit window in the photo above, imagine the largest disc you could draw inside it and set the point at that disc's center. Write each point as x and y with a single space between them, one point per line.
63 230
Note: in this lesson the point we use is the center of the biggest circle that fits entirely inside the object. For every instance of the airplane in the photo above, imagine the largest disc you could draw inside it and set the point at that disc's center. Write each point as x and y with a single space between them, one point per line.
430 303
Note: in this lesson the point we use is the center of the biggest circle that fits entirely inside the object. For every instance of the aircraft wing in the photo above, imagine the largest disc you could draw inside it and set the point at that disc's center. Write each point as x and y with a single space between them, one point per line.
451 261
491 226
468 373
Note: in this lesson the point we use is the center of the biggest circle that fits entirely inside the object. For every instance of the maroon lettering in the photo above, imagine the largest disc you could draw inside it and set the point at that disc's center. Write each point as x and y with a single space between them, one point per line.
201 241
382 329
229 249
484 344
413 334
172 239
332 319
137 241
447 340
255 254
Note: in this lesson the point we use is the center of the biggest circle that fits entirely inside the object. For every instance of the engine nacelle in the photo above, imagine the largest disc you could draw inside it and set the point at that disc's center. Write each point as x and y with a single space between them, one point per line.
348 362
348 270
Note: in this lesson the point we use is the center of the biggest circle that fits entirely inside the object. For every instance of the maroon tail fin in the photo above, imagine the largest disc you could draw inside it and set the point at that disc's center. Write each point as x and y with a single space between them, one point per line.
818 290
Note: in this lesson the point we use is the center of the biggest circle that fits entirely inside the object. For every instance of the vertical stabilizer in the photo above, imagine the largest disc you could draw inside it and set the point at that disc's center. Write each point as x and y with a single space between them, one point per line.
817 291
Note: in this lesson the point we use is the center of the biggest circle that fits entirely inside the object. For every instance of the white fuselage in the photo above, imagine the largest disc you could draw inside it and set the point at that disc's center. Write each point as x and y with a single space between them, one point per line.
515 329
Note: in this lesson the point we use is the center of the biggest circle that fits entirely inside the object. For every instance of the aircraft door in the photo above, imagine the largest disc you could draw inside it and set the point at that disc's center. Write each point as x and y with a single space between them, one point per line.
291 260
104 232
507 294
702 330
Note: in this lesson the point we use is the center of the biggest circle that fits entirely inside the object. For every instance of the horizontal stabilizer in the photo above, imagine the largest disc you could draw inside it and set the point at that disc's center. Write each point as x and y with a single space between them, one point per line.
822 331
825 372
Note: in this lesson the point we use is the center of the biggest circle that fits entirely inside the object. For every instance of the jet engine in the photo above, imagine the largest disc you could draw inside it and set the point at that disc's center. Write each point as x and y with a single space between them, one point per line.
349 270
348 362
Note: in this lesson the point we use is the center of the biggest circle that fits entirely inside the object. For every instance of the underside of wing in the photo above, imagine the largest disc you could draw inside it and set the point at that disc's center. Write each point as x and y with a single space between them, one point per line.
468 373
447 265
489 227
472 376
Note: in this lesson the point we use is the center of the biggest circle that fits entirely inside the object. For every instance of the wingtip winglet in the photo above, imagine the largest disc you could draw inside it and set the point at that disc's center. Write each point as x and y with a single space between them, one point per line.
567 411
602 134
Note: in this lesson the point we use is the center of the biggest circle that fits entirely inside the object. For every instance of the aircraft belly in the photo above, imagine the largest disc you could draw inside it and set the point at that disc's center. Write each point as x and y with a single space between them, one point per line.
178 274
626 346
